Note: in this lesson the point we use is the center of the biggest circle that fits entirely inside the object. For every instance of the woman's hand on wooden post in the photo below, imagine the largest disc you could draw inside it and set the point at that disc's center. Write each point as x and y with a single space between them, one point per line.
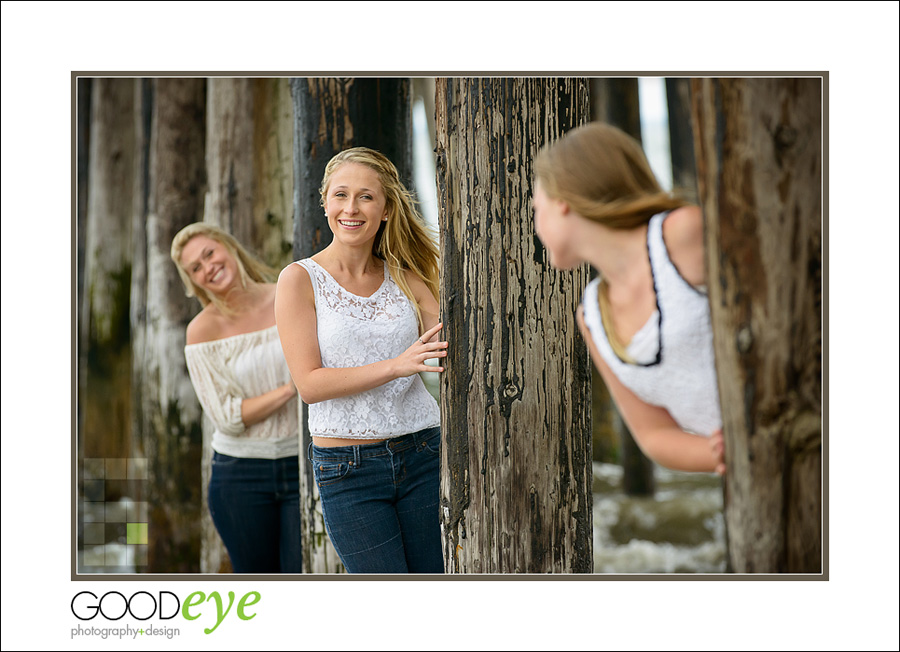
412 361
717 444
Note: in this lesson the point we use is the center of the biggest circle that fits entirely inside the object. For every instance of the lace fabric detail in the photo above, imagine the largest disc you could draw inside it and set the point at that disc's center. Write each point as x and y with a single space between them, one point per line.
354 331
384 304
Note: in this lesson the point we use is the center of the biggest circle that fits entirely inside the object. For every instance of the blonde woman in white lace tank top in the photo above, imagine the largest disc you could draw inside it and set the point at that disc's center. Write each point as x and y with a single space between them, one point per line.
357 322
238 370
646 317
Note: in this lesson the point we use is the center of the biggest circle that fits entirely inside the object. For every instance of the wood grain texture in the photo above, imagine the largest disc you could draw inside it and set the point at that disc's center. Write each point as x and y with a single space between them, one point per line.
759 165
515 399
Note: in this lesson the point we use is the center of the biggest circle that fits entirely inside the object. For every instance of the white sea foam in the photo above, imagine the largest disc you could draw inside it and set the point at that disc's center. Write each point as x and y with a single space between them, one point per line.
680 529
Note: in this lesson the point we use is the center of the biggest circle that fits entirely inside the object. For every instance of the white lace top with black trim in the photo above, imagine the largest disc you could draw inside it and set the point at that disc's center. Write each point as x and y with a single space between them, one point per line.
675 368
355 331
224 372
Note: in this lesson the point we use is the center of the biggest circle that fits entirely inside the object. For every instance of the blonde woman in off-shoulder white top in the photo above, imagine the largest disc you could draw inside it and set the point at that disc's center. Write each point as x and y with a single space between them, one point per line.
238 370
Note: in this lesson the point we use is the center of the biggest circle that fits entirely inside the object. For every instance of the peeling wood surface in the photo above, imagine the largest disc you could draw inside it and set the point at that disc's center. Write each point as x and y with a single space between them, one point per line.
515 399
758 147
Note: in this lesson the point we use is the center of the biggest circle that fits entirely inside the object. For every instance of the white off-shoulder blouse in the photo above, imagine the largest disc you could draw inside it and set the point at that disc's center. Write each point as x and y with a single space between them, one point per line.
225 372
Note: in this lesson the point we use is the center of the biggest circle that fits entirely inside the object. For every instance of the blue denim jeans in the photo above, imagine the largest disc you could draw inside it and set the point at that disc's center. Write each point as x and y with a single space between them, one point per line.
380 503
255 506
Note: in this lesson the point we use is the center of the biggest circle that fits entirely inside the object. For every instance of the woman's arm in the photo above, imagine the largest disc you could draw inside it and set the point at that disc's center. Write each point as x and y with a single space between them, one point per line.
205 327
655 431
222 400
295 316
259 408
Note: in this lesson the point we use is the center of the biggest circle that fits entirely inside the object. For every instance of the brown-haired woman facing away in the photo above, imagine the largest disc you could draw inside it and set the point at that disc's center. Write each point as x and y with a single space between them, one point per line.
238 370
646 316
357 322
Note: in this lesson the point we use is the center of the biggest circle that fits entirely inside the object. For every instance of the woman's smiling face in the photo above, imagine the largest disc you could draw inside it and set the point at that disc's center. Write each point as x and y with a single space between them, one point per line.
355 204
210 265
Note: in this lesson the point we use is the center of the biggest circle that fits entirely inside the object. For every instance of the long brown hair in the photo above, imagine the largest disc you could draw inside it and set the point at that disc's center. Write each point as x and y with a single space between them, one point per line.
403 240
603 174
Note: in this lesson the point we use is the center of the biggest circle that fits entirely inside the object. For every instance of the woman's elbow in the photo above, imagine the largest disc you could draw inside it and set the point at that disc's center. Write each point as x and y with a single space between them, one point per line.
648 443
308 393
232 429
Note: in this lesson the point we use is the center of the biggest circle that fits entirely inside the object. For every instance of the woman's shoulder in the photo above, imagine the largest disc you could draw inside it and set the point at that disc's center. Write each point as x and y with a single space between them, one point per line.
414 281
294 283
683 235
206 326
294 274
418 287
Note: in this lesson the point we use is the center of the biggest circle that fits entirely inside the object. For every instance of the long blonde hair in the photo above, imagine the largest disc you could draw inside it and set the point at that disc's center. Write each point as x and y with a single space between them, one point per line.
250 268
603 174
403 240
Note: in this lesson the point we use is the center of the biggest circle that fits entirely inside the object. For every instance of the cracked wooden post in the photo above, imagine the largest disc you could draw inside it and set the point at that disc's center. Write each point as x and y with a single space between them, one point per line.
759 168
330 115
515 399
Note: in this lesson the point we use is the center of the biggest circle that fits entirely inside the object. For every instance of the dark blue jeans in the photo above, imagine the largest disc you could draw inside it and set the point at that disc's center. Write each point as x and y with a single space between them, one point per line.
380 503
255 506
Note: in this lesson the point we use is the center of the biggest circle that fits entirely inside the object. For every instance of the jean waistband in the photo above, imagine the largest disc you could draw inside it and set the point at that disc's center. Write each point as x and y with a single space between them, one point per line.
357 452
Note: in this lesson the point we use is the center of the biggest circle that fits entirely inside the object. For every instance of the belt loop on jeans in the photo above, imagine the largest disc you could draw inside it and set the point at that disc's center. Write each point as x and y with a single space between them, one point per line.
356 456
309 451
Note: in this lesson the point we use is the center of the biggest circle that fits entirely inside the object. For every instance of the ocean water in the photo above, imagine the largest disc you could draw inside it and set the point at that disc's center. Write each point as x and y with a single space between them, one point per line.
680 529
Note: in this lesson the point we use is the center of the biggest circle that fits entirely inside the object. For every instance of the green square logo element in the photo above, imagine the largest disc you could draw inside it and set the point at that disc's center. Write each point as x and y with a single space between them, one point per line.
136 534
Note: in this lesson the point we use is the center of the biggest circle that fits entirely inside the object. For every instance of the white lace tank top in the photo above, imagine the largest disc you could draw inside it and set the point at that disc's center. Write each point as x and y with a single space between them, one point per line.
679 374
354 331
